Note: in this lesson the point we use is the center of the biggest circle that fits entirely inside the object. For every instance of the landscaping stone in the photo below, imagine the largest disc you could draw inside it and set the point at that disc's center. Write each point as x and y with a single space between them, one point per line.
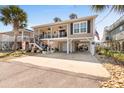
116 70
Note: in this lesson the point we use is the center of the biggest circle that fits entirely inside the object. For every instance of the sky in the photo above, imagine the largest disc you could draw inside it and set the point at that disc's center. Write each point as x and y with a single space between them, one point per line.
42 14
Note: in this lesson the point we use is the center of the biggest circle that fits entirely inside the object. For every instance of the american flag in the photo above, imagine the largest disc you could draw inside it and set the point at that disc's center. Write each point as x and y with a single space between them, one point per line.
97 34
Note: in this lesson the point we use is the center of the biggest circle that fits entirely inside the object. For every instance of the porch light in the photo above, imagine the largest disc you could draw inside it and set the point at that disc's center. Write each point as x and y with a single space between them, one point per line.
60 27
49 29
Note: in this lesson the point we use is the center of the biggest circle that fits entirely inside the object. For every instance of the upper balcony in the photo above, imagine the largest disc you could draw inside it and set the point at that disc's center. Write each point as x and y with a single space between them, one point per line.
51 32
57 34
24 38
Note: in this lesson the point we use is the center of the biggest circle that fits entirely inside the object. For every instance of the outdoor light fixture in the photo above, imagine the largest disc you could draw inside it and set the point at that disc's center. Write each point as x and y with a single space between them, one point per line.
60 27
48 28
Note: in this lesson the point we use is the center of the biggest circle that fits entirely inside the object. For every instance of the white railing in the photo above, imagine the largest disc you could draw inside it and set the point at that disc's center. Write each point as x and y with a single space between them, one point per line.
54 35
25 38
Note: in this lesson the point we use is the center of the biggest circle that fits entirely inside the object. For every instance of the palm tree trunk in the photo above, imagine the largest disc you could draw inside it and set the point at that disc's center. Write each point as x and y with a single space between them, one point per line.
15 40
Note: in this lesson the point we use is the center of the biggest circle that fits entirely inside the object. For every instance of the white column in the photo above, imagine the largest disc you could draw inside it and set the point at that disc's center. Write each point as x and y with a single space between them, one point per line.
92 47
23 45
51 31
71 46
38 34
68 46
59 46
68 30
34 35
58 34
22 35
48 45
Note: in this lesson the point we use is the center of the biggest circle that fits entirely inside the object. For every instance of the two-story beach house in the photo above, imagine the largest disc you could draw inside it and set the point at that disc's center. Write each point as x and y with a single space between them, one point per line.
68 36
23 39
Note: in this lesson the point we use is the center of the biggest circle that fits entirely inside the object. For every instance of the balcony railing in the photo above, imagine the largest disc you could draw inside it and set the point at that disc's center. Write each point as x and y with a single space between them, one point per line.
25 38
54 35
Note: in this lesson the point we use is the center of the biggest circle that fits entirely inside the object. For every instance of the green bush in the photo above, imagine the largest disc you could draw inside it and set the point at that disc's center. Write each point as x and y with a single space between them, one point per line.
118 56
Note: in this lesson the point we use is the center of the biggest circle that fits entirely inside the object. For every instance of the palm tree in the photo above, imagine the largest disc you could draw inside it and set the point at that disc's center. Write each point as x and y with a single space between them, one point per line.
73 16
15 16
116 8
57 19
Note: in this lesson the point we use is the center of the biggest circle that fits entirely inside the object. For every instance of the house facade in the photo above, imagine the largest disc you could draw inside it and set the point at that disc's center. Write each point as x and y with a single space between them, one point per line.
74 35
113 36
23 39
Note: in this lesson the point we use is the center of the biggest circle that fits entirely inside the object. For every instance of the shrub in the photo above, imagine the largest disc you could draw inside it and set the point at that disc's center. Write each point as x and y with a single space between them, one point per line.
117 56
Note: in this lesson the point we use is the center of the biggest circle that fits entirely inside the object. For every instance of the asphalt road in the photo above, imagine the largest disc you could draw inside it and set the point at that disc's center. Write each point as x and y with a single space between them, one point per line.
21 75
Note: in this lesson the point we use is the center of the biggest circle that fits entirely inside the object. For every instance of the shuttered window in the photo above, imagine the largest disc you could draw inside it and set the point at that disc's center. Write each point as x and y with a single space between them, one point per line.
76 28
83 27
80 27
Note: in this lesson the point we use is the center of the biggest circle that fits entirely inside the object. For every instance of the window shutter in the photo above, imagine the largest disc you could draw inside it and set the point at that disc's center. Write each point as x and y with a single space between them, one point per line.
88 27
71 28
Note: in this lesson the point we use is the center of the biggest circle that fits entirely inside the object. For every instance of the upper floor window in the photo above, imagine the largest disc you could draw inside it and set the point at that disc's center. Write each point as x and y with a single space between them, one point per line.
80 27
83 27
76 28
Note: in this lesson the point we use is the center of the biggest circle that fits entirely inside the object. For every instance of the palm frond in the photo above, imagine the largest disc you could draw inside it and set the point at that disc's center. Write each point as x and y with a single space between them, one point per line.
99 8
118 8
13 15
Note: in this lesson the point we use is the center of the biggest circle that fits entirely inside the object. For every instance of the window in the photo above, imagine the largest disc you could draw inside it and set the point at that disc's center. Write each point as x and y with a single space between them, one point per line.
80 27
76 28
83 27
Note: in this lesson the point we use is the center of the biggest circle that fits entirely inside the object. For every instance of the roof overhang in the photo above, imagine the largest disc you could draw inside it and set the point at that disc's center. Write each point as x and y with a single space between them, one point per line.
66 21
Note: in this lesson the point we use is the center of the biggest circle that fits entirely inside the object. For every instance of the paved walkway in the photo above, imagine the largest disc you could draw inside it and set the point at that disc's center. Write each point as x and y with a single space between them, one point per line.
77 63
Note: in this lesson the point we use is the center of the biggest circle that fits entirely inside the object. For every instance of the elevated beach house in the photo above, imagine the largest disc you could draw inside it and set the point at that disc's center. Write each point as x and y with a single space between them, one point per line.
73 35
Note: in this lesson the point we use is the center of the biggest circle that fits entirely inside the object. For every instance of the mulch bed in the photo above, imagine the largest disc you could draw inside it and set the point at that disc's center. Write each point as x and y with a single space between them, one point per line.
116 70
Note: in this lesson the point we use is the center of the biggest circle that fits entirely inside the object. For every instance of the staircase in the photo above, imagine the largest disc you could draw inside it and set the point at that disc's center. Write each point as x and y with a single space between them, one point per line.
36 45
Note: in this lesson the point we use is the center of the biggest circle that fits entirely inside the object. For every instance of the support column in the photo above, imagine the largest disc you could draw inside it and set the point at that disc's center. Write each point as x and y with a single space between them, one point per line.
22 35
59 46
71 47
68 30
68 46
34 36
58 34
48 45
38 35
23 44
51 31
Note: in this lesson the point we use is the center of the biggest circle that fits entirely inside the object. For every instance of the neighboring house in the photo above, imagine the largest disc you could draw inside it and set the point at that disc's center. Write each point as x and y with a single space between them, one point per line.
113 36
23 39
67 36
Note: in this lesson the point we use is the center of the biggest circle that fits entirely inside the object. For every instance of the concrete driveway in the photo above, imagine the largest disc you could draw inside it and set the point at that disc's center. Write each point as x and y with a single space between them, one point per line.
53 70
77 63
21 75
